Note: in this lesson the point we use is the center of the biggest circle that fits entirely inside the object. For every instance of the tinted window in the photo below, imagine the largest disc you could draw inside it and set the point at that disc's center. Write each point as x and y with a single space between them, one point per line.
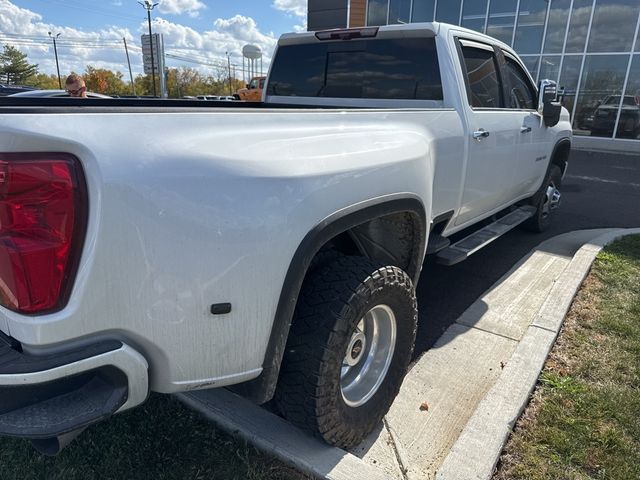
602 76
578 26
483 77
399 11
614 22
502 16
521 92
532 65
530 26
448 11
388 69
557 26
422 11
474 15
377 12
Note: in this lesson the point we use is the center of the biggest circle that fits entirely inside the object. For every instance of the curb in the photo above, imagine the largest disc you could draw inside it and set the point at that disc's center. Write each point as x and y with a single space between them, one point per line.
476 452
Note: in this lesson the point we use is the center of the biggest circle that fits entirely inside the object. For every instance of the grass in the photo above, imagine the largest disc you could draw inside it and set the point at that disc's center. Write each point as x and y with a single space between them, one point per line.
583 421
160 440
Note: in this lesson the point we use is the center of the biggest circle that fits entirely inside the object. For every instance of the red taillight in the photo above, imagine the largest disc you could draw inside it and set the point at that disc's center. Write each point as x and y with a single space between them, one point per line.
42 221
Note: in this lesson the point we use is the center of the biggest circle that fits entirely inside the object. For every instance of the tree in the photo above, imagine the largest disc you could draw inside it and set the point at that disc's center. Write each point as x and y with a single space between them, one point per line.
101 80
14 68
43 81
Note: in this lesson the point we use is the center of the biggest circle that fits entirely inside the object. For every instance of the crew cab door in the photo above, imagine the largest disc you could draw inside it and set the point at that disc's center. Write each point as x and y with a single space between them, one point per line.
534 143
493 135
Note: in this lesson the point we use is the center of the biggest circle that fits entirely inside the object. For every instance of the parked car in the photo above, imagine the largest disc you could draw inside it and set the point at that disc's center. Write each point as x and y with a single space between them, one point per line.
55 93
253 91
604 117
11 89
149 248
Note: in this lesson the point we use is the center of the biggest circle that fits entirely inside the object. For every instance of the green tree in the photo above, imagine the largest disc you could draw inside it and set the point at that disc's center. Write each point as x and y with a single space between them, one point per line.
101 80
14 67
43 81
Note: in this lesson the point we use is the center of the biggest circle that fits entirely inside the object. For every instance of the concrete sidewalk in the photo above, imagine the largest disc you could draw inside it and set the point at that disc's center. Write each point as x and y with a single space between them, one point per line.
476 380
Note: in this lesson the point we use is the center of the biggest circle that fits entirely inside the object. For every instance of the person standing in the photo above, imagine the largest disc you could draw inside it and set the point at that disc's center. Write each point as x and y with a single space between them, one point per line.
75 86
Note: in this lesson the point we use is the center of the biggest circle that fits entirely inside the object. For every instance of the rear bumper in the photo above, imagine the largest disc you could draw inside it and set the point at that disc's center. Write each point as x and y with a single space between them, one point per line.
50 395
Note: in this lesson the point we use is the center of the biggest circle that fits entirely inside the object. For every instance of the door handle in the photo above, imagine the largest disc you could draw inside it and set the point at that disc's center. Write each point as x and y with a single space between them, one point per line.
480 134
525 129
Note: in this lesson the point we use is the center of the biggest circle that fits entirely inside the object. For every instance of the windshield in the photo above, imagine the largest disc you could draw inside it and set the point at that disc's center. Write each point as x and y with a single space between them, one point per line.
615 100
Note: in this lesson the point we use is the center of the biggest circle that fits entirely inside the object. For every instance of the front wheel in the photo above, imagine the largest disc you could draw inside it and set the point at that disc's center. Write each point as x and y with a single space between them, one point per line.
348 350
546 201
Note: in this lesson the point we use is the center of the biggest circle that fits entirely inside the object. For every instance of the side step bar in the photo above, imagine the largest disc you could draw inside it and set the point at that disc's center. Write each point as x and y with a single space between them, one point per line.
461 250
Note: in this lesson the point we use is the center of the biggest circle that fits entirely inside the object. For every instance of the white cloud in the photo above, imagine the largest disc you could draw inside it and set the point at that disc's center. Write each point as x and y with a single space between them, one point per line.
178 7
228 35
294 7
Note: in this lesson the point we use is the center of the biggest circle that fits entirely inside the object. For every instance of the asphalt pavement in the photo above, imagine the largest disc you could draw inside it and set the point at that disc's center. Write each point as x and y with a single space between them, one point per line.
600 190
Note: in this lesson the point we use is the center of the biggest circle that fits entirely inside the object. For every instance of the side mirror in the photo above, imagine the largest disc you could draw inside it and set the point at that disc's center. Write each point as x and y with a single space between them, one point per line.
548 106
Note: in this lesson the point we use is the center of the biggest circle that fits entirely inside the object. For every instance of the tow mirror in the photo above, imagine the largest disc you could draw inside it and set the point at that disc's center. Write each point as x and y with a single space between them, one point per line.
548 106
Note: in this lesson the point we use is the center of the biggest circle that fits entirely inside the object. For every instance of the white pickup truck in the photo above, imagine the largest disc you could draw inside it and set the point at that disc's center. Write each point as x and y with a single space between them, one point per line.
167 246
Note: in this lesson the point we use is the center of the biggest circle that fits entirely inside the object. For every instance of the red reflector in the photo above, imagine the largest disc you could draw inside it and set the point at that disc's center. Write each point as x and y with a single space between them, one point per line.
347 33
42 222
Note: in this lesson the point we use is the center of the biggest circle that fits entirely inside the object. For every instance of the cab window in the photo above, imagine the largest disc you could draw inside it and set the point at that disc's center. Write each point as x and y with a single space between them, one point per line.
484 88
520 91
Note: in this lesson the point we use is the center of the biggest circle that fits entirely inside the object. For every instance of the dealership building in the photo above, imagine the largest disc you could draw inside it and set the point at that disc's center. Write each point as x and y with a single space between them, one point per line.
590 47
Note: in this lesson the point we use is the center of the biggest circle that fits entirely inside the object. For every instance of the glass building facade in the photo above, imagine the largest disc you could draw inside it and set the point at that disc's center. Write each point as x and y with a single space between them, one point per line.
590 47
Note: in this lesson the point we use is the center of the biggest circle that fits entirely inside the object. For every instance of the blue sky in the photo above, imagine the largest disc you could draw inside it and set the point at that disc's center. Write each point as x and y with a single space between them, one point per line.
91 32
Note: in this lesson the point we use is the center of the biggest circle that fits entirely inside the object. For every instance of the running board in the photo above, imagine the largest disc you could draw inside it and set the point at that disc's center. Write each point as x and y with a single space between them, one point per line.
461 250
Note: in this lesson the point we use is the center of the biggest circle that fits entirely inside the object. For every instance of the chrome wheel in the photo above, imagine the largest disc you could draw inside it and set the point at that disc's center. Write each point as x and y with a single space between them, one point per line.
551 200
368 355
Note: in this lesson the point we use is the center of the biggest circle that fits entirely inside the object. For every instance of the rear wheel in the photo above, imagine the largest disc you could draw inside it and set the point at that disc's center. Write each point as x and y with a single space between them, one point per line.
546 201
348 350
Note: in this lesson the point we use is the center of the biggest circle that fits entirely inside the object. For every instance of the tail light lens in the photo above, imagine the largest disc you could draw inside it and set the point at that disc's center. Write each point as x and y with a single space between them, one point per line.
43 217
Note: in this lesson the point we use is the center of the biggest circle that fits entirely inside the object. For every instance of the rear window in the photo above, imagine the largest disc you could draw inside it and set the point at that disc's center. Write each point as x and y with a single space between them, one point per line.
380 69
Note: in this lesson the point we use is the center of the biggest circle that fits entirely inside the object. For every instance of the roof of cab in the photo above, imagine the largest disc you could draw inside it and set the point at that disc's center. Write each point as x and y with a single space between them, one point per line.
406 30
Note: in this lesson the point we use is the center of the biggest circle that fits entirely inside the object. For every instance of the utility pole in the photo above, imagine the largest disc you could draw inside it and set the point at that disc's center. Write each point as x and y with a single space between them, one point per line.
148 6
229 64
133 85
55 50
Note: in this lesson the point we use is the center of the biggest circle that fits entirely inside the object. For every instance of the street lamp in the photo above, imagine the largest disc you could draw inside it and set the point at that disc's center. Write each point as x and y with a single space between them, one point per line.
229 64
148 6
55 50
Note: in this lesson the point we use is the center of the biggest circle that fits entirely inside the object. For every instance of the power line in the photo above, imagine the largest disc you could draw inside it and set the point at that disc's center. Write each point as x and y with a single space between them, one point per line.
79 6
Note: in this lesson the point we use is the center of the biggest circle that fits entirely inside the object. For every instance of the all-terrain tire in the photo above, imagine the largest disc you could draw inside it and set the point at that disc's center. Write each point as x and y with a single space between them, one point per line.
541 220
335 303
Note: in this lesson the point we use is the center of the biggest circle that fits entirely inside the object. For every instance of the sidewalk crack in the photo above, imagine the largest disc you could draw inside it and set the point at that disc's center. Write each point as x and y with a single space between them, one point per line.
403 469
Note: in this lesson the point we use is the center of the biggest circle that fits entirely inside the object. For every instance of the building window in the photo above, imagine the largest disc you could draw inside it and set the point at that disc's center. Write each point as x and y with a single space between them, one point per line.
399 11
599 95
502 16
629 123
377 13
448 11
556 28
423 10
530 26
578 26
474 15
613 26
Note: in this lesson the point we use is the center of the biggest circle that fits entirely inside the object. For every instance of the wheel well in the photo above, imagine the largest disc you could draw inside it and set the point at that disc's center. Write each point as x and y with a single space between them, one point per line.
392 231
561 155
390 239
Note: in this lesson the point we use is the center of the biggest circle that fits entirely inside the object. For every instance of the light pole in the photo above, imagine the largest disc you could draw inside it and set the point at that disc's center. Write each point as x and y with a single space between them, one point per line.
148 6
229 64
55 51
